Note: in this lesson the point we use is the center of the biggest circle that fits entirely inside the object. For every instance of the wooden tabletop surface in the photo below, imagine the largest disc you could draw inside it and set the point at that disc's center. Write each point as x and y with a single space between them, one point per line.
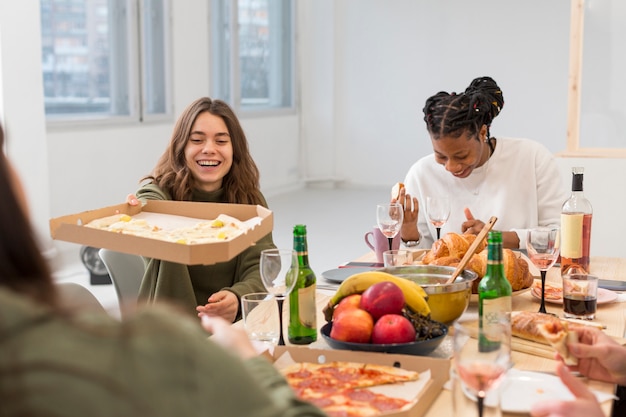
533 357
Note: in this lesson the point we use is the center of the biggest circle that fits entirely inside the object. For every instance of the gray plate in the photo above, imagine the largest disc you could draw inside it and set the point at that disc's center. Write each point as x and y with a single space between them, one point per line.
340 274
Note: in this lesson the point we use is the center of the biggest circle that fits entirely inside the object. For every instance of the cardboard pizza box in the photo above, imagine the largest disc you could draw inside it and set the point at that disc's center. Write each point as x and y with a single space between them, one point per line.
70 229
439 369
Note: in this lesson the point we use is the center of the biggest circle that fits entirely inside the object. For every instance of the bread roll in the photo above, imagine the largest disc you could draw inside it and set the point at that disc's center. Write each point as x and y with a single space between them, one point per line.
450 249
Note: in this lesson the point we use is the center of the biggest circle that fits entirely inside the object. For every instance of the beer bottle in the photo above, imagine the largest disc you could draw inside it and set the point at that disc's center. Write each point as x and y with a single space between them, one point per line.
302 328
494 291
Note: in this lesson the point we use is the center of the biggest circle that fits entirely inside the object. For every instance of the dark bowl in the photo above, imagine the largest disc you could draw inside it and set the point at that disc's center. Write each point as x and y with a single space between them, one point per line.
422 347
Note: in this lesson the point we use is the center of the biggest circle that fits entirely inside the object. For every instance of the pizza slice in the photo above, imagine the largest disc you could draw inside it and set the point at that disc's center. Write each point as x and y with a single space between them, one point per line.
558 335
341 388
546 329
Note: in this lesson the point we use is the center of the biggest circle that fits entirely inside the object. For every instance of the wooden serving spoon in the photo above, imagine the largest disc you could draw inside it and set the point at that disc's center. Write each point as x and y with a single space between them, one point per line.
470 252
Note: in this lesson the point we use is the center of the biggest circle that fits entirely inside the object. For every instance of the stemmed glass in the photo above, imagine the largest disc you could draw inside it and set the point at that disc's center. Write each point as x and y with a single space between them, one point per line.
542 244
438 209
389 217
279 271
481 358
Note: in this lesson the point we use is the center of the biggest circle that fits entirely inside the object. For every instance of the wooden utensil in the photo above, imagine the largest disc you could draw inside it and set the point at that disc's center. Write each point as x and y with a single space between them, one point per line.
470 252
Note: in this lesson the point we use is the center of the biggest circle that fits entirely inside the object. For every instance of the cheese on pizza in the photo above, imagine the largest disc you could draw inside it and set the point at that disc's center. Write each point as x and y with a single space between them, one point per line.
340 388
221 229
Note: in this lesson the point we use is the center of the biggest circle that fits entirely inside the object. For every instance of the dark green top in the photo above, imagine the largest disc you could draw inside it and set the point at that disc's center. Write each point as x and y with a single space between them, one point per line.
157 363
190 286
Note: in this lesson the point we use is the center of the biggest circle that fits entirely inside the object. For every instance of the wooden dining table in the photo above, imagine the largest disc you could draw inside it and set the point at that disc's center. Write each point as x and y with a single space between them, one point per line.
525 356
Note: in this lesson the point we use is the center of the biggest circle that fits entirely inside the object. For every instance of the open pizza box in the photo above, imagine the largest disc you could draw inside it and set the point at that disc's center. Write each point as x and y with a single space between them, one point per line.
71 228
437 368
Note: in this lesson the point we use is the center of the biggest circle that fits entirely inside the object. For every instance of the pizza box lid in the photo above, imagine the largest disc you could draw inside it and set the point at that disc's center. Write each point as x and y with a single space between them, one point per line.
439 369
70 228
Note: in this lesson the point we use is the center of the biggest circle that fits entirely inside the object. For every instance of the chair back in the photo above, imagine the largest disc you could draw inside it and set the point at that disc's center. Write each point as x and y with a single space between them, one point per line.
126 272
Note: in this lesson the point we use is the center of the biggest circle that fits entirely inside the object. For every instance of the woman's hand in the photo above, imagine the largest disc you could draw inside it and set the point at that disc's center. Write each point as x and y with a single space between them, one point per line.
222 303
410 206
231 338
585 404
132 200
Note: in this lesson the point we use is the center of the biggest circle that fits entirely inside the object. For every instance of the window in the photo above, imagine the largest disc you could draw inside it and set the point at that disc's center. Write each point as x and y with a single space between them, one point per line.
104 59
253 67
597 62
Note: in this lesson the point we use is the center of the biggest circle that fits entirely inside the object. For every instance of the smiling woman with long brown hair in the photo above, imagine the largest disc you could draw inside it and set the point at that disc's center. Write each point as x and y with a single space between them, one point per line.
55 361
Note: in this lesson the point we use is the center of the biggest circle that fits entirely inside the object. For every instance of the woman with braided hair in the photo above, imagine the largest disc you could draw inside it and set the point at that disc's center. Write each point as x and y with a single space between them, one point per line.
514 179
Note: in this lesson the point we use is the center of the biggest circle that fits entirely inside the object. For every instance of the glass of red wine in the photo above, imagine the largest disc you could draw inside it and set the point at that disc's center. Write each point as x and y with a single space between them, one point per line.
542 245
482 356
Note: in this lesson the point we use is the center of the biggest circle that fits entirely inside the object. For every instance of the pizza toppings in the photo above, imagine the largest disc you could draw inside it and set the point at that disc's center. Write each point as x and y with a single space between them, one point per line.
199 231
340 388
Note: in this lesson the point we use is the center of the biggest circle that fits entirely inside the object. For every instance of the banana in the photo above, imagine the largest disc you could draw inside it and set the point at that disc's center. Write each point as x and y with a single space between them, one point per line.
414 295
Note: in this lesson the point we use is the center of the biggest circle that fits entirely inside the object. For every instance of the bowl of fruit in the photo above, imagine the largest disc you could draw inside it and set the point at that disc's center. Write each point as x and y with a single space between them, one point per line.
447 302
378 312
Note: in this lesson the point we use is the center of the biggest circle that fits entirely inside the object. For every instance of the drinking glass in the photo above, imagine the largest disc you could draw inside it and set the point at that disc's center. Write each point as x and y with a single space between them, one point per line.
438 210
279 271
389 217
482 357
542 244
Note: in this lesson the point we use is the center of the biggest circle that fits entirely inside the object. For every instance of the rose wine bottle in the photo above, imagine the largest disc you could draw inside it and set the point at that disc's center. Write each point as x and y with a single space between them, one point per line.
576 226
494 292
302 328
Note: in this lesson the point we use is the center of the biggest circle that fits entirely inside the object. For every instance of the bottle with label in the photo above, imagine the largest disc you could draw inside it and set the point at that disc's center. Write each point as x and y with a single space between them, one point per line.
576 226
302 328
494 291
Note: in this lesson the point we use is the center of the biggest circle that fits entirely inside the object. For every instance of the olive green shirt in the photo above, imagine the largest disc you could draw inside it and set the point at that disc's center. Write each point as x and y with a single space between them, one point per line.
192 285
155 363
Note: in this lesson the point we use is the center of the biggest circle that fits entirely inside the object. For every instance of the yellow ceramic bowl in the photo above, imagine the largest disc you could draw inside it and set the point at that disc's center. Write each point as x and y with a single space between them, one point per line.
447 302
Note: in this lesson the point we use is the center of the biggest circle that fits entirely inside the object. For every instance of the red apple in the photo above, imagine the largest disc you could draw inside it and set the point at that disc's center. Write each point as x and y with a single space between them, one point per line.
393 328
382 298
353 325
350 302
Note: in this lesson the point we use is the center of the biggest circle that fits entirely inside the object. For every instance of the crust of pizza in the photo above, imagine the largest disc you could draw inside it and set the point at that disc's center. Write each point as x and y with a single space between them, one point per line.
559 337
546 329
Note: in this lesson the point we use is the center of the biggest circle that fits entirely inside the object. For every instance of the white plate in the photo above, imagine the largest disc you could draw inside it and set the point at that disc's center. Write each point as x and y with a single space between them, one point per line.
604 296
521 389
340 274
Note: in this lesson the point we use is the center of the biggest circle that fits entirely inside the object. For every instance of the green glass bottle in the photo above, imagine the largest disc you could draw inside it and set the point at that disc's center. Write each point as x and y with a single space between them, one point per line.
494 292
302 328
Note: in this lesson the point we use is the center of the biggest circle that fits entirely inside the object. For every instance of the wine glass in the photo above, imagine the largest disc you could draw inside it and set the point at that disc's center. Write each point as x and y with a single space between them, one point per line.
279 271
389 217
542 244
438 209
482 356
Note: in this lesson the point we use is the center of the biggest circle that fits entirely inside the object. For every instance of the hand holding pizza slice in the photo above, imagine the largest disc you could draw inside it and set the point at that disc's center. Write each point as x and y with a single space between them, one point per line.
558 335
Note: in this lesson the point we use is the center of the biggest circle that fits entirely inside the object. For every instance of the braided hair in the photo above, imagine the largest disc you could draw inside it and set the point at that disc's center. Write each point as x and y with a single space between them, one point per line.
451 114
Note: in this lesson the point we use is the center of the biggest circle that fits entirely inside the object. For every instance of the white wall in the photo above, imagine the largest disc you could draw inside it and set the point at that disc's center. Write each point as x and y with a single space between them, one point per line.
365 69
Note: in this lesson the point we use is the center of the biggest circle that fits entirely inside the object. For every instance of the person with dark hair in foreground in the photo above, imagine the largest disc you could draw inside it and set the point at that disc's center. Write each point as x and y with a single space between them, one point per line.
516 180
158 362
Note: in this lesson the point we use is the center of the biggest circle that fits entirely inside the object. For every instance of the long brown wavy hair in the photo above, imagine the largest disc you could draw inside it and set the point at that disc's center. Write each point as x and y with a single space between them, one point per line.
23 268
171 174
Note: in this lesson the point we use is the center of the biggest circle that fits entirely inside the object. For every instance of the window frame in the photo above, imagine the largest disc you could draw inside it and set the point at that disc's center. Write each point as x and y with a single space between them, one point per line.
218 46
573 148
136 58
